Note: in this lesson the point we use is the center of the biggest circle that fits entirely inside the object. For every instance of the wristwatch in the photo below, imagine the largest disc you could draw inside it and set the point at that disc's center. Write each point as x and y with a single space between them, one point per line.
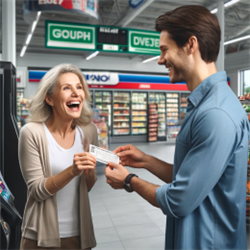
126 184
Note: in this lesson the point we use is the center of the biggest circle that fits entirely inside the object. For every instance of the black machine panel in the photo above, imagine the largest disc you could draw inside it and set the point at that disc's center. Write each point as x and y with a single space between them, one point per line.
10 210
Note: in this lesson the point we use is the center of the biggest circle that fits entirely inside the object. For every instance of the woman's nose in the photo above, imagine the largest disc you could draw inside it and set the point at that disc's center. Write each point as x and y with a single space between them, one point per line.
75 92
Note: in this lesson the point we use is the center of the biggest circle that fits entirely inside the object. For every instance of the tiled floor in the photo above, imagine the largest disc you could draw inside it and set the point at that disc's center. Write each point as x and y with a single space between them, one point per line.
125 221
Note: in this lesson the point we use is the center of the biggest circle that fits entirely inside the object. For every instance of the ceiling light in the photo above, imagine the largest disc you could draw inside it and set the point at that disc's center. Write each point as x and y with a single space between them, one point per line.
225 5
214 11
28 39
151 59
23 51
33 26
231 3
237 39
92 55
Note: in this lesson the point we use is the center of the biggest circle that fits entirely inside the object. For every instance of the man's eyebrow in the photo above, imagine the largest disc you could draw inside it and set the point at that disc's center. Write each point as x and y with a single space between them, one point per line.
163 46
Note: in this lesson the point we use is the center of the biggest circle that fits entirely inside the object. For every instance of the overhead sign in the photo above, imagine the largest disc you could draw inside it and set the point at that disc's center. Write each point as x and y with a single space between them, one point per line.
89 7
144 42
101 38
70 36
135 3
103 78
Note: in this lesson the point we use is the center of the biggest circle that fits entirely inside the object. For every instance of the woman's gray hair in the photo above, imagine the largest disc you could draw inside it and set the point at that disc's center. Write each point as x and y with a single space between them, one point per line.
40 111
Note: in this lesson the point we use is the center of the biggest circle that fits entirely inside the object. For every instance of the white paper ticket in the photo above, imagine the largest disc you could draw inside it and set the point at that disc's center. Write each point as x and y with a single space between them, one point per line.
103 155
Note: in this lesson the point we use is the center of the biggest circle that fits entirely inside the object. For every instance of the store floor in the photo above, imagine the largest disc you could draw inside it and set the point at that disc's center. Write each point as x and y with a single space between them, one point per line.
125 221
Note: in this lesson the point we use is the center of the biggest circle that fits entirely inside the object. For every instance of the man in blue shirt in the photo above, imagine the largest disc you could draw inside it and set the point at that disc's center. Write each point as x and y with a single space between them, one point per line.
204 197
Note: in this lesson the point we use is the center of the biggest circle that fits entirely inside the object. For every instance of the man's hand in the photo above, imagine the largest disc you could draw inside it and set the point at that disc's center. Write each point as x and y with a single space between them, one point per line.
131 156
116 175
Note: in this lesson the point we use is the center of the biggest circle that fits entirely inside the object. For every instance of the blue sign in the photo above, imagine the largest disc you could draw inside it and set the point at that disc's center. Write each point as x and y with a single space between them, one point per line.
135 3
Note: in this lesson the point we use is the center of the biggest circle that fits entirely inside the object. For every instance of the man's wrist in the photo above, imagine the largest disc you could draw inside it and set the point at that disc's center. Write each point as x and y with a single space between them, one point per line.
147 162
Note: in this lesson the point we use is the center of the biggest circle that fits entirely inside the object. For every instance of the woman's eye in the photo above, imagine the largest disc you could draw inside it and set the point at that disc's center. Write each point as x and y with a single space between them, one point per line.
66 88
79 87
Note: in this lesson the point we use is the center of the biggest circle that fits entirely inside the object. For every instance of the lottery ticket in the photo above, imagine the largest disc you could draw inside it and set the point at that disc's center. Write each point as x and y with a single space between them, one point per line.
103 155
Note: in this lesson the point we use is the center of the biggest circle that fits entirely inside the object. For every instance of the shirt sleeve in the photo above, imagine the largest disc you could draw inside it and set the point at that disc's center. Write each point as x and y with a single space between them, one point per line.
214 138
31 168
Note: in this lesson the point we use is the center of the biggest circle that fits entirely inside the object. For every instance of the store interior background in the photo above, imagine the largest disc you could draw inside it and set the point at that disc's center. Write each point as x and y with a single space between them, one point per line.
236 58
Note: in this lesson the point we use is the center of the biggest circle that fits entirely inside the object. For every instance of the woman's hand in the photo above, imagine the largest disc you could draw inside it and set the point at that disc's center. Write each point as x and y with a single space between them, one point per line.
83 162
131 156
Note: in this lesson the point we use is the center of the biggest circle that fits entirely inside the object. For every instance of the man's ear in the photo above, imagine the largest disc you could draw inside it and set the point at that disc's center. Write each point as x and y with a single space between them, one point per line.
192 44
49 100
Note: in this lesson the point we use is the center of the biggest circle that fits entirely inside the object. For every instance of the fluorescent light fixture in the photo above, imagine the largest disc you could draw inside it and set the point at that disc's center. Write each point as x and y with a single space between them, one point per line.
237 39
23 51
39 14
225 5
33 26
230 3
92 55
214 10
28 39
150 59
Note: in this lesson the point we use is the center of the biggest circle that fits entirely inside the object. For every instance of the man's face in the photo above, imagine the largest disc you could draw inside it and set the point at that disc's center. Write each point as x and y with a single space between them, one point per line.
174 58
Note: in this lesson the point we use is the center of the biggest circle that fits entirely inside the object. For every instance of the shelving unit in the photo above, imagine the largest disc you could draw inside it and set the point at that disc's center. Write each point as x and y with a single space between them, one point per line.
121 113
160 100
246 105
139 113
152 122
103 102
183 106
173 123
19 98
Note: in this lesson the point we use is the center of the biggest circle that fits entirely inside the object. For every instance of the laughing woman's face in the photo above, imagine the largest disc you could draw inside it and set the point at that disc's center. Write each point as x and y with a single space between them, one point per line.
68 97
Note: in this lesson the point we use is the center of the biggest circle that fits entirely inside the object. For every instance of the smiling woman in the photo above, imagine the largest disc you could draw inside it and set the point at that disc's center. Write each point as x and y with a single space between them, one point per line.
56 165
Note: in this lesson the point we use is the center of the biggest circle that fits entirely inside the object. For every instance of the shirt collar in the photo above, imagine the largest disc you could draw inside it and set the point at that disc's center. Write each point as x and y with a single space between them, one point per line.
201 90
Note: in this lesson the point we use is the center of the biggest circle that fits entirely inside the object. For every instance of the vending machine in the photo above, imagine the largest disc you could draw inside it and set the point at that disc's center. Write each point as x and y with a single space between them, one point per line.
12 186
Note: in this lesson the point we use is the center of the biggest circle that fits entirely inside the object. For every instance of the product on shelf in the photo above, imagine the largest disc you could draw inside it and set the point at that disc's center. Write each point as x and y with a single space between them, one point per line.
244 97
152 122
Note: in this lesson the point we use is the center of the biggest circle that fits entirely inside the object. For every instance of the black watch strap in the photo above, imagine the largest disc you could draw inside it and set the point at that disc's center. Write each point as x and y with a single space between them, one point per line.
126 184
129 177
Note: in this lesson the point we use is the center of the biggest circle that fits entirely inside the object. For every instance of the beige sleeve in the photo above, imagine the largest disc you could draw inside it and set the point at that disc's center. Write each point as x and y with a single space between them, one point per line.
30 163
95 135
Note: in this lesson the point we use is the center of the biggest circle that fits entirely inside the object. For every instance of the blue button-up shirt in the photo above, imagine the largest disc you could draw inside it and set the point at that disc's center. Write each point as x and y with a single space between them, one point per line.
206 202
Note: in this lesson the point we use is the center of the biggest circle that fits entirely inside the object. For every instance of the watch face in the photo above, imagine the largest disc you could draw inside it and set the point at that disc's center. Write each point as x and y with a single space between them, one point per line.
127 187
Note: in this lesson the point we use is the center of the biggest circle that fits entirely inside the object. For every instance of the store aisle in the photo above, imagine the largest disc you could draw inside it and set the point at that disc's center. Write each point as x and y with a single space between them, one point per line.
125 221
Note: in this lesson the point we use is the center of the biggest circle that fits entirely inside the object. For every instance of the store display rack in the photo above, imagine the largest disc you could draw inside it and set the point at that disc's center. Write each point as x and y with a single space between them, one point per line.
160 100
121 111
173 123
139 113
152 122
246 105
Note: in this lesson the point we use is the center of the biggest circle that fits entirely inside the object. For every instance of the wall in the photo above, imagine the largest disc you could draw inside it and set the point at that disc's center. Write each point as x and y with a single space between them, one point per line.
233 63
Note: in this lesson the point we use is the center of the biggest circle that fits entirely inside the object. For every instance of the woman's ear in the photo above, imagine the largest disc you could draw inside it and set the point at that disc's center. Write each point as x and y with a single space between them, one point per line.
49 101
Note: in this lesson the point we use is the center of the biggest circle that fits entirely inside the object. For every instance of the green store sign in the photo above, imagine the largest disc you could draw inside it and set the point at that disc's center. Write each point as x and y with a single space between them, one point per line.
144 42
85 37
70 36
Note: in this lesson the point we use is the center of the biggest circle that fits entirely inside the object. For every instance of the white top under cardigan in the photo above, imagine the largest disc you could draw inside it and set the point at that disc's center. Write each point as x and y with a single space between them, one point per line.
68 197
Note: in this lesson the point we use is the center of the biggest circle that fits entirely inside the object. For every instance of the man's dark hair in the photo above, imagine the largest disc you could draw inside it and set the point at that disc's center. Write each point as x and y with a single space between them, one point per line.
193 20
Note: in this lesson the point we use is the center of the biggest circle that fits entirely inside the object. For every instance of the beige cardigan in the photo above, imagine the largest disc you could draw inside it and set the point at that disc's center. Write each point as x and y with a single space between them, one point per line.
40 219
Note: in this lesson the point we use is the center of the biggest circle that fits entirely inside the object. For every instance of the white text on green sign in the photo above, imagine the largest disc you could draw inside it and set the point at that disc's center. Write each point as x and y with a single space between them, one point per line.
71 36
144 42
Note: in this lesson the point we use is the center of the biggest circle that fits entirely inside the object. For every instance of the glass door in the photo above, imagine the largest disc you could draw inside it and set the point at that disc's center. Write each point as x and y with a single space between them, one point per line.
173 123
103 103
183 106
139 113
159 99
121 113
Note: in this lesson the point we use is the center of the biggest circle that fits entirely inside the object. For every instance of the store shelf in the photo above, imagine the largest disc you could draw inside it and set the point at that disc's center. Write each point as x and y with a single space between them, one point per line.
121 114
